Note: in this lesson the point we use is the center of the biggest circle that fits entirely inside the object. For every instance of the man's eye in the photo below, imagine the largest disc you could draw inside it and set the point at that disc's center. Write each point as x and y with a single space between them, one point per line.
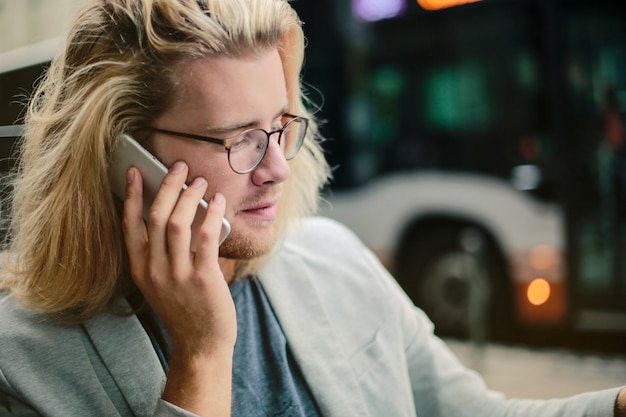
241 142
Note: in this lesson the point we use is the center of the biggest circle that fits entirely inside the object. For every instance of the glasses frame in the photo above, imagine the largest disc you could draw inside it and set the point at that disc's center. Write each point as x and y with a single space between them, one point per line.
228 148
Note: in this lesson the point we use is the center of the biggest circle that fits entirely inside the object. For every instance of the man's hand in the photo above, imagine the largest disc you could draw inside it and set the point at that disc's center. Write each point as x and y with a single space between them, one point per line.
186 289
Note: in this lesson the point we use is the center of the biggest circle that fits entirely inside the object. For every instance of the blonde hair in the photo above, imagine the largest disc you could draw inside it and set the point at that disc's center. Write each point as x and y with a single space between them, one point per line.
115 75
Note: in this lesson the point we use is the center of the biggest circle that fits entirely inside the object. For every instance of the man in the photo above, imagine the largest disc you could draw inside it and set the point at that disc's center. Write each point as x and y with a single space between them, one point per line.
291 316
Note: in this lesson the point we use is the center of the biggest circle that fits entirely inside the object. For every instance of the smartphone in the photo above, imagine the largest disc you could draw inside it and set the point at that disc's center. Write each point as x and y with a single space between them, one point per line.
128 152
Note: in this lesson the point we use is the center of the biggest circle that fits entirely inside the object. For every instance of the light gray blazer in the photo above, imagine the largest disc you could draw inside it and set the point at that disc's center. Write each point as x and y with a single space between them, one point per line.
363 348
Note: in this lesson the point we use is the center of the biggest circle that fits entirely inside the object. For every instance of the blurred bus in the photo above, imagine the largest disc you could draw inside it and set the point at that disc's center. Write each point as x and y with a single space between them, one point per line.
479 151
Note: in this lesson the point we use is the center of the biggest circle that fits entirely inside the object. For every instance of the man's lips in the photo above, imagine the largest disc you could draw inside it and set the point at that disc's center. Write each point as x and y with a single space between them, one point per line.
266 210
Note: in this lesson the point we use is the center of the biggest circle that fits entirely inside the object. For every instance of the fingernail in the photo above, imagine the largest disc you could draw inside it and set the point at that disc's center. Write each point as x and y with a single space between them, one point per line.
130 176
218 198
198 182
178 167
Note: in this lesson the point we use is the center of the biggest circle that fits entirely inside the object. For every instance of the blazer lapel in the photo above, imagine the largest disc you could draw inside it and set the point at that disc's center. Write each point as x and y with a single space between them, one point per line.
127 352
311 336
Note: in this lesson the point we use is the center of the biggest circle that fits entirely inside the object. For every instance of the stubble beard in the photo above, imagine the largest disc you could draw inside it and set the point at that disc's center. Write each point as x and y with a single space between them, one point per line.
244 247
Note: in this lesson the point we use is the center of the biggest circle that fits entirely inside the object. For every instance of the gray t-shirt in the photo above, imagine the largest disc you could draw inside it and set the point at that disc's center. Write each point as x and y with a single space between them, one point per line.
266 378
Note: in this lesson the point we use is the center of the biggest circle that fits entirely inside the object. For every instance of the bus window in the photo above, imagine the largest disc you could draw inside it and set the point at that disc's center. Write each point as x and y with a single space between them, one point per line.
456 99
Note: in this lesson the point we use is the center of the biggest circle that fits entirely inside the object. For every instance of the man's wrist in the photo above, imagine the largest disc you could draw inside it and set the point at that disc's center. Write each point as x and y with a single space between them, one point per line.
620 404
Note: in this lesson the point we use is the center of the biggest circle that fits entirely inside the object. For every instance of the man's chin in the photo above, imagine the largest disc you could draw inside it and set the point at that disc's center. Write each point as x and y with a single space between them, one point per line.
248 246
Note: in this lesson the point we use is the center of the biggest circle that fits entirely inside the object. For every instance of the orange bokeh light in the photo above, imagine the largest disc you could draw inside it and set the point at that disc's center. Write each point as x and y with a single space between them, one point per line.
441 4
538 291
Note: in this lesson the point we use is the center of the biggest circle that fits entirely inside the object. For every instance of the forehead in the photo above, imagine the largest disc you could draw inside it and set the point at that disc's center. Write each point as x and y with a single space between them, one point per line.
222 90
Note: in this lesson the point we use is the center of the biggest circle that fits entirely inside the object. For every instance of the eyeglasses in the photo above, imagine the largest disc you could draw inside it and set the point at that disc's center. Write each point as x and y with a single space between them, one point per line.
249 147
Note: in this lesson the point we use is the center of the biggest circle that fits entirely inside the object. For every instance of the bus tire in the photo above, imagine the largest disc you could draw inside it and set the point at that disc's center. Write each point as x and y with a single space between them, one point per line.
436 270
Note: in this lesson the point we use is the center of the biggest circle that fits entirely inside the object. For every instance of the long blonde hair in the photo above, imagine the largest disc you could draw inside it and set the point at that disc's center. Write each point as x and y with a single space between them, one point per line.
114 76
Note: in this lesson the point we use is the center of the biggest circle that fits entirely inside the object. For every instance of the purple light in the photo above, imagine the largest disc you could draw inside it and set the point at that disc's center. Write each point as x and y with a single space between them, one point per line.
373 10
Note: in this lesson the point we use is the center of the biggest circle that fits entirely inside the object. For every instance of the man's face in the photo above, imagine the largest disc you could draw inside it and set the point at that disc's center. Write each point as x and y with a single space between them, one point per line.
220 98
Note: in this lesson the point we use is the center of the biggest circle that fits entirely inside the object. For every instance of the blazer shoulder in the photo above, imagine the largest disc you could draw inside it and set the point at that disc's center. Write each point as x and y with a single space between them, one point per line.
21 327
14 316
324 234
333 256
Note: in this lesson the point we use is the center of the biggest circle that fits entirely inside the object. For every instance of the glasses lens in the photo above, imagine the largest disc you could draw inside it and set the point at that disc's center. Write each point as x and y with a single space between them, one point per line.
247 150
293 136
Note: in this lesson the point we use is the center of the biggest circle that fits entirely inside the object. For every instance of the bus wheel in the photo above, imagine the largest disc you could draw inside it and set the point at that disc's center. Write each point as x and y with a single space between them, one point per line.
459 283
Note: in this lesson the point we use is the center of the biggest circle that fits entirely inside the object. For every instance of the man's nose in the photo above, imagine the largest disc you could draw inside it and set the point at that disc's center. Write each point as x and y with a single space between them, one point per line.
273 168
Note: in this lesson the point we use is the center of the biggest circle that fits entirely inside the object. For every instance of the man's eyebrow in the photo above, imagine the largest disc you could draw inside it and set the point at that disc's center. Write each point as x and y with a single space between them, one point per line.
225 130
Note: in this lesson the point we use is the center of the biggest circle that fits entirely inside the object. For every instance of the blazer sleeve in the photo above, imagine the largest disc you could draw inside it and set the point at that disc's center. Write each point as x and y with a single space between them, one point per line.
166 409
442 386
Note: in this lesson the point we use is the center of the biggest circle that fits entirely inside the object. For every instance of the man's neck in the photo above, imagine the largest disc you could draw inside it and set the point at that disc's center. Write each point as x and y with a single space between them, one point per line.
229 268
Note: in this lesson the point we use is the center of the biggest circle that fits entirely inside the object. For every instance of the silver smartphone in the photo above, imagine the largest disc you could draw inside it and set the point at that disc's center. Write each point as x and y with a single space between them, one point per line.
128 152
